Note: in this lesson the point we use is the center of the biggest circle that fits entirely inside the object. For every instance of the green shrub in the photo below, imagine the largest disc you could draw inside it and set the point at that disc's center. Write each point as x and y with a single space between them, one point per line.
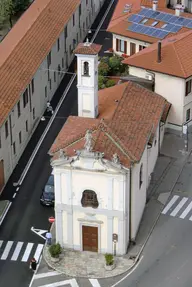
109 259
101 82
105 60
55 250
103 69
110 83
115 63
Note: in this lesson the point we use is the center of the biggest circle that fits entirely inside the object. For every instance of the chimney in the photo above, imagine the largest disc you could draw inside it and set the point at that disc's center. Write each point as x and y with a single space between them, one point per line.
178 9
159 52
155 2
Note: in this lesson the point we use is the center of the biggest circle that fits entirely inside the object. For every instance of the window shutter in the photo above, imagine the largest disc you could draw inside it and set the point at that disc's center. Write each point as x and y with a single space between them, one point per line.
125 47
117 45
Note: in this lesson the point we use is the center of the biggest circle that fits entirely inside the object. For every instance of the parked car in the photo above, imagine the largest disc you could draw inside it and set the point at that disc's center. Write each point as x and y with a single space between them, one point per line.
48 195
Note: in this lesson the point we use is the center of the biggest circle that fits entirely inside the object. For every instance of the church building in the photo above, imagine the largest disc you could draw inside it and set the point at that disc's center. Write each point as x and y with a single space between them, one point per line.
103 159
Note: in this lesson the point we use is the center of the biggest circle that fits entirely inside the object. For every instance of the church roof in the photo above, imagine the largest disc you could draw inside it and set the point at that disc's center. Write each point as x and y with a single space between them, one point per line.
128 117
87 49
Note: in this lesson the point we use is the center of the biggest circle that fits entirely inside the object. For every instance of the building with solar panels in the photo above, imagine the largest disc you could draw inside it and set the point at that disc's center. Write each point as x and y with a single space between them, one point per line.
137 30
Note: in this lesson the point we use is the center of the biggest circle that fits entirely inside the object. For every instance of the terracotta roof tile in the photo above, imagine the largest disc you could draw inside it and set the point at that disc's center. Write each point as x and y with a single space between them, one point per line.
87 49
26 46
125 131
176 57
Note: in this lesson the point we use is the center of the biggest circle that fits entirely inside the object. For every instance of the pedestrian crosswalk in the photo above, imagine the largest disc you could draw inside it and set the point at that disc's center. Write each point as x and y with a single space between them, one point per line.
180 207
20 251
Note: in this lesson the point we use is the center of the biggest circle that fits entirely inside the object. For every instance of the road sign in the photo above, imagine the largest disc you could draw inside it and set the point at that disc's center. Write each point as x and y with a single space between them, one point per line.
39 232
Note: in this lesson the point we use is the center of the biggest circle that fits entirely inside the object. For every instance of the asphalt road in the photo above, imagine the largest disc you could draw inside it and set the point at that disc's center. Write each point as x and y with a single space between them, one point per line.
26 210
167 257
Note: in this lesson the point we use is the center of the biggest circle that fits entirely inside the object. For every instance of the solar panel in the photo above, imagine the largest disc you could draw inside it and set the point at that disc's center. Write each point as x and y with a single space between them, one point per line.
155 14
189 25
149 13
176 28
173 19
143 12
166 17
132 27
162 34
160 16
146 30
171 27
135 18
155 33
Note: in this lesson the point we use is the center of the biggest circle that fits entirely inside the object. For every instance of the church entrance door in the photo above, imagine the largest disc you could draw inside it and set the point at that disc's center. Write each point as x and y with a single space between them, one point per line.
90 238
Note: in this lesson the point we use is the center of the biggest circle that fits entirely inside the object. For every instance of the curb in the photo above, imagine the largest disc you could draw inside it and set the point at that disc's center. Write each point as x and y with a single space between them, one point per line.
5 210
88 277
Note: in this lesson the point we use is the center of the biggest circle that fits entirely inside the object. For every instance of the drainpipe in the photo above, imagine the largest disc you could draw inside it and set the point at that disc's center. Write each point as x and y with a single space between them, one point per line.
130 201
159 142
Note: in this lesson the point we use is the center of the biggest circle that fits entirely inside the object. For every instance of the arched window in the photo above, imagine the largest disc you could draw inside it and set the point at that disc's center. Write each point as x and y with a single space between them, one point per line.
86 69
141 176
89 199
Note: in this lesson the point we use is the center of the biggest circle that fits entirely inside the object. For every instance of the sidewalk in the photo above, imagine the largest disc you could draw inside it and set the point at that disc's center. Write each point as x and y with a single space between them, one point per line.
168 168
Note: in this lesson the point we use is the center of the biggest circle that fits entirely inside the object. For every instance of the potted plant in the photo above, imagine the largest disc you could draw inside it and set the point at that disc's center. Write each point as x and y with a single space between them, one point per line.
109 262
55 250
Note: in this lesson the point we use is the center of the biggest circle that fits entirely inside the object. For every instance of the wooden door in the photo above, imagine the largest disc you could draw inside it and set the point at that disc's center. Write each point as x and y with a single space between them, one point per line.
2 179
132 48
90 238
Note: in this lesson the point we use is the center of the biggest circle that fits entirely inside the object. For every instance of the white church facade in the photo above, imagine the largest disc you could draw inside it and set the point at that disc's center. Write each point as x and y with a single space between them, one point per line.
102 160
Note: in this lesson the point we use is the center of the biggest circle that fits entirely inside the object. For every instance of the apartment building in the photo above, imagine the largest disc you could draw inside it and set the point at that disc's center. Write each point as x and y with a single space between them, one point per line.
34 55
143 25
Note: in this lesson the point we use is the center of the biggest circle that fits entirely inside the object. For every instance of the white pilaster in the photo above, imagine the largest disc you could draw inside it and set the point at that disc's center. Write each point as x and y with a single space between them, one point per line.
110 194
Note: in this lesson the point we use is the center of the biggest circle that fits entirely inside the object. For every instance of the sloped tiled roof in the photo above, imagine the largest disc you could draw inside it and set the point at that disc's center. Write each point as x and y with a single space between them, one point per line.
120 14
176 57
120 27
26 46
87 49
126 132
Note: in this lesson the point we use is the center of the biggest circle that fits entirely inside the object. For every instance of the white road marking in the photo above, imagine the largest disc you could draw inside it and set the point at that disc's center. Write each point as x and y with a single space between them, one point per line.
17 251
27 252
3 217
190 218
170 204
38 251
14 195
71 282
127 275
47 274
179 206
6 250
1 242
39 232
94 283
186 211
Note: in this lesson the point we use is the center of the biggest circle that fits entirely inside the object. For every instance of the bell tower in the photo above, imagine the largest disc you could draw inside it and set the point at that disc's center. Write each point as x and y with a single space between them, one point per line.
87 79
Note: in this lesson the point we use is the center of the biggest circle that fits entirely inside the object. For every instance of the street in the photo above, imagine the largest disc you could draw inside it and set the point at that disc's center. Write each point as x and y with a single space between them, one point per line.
18 244
167 257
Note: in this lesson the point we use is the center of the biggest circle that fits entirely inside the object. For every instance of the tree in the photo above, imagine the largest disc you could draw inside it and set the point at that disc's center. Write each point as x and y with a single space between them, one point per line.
21 5
101 82
7 11
103 69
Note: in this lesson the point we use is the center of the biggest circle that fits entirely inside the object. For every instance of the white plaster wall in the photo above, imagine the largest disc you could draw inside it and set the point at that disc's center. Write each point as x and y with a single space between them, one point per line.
172 89
128 40
138 195
65 223
38 99
162 132
152 154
